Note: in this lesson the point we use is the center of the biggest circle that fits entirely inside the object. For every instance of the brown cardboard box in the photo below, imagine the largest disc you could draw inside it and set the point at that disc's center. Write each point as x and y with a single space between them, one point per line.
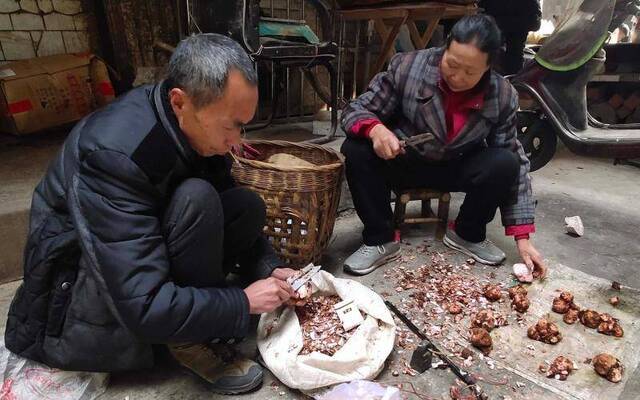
50 91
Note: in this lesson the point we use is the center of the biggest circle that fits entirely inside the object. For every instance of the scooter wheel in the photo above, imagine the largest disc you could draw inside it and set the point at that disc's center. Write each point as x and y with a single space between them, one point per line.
538 138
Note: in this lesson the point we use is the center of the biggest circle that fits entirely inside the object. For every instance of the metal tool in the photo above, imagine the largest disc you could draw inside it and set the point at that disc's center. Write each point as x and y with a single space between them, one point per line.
415 141
307 273
427 347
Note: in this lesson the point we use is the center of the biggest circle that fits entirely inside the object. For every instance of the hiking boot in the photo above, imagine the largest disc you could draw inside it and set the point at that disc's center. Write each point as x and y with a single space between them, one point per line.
219 367
483 252
368 258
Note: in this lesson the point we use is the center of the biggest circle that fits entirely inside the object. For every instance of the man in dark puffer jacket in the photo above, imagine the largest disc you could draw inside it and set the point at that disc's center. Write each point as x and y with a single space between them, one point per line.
136 224
515 18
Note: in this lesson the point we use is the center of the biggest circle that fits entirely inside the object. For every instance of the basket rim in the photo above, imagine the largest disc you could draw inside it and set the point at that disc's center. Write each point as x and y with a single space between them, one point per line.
285 143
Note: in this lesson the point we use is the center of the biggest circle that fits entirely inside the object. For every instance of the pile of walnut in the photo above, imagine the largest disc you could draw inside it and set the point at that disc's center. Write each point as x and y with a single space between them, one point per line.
519 299
559 369
322 330
608 366
545 331
604 322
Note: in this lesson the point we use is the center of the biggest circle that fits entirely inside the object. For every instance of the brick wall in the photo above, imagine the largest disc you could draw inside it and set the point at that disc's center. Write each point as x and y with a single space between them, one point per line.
32 28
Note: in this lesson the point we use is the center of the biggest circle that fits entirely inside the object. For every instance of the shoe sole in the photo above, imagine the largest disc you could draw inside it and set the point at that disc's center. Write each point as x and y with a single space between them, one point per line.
384 260
453 245
254 384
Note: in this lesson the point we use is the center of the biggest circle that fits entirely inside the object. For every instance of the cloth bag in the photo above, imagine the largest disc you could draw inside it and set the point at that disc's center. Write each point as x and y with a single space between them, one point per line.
361 357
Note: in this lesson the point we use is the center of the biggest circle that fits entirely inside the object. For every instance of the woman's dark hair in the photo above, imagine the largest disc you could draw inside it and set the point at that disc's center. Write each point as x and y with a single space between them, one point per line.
479 30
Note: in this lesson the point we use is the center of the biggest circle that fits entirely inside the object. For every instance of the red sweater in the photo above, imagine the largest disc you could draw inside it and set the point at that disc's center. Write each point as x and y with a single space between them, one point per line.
458 107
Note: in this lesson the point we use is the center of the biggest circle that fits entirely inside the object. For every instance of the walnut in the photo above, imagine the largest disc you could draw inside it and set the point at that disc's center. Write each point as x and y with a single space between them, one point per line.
560 368
518 289
589 318
615 300
566 296
608 366
545 331
492 292
570 317
481 339
466 353
484 319
520 303
454 309
560 306
610 326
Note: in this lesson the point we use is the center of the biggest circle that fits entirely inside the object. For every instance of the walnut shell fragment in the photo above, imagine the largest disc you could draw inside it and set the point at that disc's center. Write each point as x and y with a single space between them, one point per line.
609 367
454 309
610 326
484 319
570 317
545 331
566 296
480 338
492 292
615 300
518 289
520 303
589 318
560 368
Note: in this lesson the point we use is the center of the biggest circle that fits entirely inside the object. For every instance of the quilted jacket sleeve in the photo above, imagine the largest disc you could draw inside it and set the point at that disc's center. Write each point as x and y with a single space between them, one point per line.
113 207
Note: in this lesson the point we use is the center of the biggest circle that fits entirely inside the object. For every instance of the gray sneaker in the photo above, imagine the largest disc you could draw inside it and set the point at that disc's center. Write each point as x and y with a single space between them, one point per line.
483 252
368 258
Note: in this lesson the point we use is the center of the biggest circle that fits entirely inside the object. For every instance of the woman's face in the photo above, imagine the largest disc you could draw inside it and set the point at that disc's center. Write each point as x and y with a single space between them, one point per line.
463 65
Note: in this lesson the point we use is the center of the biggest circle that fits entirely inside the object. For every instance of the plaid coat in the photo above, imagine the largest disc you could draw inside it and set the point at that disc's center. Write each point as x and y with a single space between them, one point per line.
408 100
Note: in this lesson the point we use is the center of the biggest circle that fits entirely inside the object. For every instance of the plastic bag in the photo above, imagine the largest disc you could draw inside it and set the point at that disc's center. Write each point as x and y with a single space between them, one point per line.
361 390
23 379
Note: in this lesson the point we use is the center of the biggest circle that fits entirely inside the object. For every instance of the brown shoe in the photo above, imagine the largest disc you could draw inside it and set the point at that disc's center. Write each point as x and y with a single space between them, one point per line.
219 367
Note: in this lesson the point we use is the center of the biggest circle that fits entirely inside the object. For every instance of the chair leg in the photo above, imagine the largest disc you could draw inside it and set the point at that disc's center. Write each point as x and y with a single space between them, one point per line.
275 97
400 209
443 214
333 78
426 210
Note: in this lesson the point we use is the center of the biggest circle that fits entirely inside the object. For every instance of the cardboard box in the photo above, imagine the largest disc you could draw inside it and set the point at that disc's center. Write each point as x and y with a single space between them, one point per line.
46 92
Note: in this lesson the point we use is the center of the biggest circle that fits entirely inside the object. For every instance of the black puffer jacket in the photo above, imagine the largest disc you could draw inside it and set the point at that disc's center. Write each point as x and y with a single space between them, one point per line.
514 15
97 291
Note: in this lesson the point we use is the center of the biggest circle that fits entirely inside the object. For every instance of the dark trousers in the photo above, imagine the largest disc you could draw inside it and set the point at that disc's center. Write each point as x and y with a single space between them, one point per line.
208 233
485 175
514 52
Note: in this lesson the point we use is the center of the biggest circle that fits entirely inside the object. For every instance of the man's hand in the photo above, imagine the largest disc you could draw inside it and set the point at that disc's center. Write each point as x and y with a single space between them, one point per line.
385 143
283 273
532 258
268 294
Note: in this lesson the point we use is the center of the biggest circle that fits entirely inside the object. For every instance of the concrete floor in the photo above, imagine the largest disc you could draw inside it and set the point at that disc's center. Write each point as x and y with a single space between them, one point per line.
605 196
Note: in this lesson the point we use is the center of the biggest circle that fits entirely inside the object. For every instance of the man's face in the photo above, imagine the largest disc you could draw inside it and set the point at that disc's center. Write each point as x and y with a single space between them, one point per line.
463 65
216 127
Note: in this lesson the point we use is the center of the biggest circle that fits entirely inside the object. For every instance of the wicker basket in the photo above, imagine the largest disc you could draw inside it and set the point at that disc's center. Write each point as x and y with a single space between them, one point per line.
302 202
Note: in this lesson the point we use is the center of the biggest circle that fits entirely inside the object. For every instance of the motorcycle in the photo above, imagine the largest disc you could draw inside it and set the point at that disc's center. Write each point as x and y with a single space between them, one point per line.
556 80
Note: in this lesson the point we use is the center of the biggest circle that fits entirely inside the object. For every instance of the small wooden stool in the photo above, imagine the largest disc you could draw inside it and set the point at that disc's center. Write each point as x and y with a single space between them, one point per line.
425 195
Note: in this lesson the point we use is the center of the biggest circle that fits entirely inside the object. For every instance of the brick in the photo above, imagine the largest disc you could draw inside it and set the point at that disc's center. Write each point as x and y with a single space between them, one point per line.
26 22
59 22
5 22
81 21
29 6
9 6
67 6
17 45
45 6
51 44
76 42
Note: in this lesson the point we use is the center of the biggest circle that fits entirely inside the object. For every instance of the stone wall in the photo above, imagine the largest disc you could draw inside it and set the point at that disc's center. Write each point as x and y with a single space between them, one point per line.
34 28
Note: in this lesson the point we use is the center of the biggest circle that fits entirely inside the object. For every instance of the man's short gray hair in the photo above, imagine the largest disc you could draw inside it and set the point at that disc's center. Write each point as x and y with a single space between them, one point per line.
201 63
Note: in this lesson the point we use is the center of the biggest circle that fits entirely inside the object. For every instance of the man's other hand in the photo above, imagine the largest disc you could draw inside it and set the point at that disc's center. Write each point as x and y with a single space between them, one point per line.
532 258
385 143
268 294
